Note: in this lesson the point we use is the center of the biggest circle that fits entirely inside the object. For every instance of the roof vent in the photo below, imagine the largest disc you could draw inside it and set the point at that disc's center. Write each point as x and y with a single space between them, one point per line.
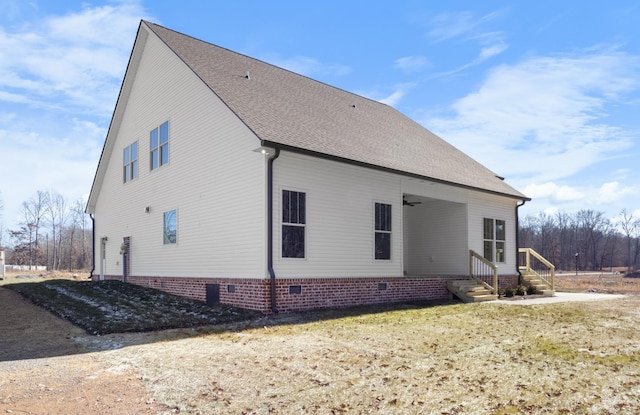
247 75
353 105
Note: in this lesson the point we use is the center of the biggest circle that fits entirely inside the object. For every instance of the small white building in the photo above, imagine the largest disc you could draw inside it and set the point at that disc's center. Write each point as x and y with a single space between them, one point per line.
227 179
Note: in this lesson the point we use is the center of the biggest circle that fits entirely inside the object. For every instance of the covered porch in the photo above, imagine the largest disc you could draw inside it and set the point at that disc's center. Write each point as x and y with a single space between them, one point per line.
443 238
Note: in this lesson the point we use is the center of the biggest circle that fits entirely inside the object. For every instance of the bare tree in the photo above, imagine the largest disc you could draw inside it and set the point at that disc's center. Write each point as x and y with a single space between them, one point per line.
58 216
592 228
76 226
629 226
566 239
33 212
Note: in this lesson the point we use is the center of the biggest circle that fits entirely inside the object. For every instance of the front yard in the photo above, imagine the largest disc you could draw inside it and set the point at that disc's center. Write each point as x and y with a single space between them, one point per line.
573 358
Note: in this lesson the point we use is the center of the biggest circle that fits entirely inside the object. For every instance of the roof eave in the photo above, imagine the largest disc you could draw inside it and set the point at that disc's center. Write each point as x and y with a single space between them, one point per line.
267 143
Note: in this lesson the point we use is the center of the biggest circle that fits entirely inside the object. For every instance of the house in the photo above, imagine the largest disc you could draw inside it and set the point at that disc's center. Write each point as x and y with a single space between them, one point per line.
227 179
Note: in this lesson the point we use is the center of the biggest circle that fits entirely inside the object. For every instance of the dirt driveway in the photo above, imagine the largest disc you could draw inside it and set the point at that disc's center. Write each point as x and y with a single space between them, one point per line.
34 345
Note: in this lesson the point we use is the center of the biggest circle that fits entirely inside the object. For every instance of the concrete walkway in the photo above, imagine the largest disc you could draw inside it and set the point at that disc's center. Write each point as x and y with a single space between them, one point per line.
560 297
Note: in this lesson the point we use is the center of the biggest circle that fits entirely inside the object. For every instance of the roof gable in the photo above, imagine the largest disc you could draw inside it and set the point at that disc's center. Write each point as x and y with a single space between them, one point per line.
295 112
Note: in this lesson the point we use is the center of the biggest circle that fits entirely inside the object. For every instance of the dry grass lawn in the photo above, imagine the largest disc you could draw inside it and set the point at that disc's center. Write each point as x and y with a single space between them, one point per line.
569 358
573 358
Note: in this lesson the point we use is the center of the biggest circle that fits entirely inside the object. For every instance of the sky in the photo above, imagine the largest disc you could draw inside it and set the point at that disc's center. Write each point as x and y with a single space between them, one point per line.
545 94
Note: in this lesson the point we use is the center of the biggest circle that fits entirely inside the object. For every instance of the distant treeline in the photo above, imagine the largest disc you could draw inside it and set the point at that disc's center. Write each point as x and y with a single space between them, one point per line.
586 239
53 233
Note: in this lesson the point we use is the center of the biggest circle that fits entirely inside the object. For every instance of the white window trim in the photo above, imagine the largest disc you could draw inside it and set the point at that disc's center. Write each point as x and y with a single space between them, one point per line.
129 165
159 147
375 231
495 240
302 225
177 228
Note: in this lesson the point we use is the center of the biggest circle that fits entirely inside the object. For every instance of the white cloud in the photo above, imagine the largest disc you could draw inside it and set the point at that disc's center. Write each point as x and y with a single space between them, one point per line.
59 80
469 28
544 111
553 191
446 26
551 197
74 60
307 66
613 191
399 91
490 51
395 97
485 54
411 63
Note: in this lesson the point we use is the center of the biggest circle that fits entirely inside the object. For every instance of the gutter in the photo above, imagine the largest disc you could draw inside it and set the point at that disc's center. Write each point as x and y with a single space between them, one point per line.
272 273
93 246
517 241
518 196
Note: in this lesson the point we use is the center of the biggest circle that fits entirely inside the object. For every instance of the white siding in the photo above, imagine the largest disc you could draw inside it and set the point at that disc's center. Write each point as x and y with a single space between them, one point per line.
340 218
484 205
435 238
214 180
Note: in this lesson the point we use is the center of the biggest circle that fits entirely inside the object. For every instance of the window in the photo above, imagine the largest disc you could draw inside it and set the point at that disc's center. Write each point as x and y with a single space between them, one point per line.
130 162
293 223
382 231
159 145
170 227
494 235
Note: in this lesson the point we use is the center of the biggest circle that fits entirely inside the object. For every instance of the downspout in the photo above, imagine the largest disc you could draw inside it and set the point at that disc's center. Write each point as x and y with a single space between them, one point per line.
518 242
93 245
272 273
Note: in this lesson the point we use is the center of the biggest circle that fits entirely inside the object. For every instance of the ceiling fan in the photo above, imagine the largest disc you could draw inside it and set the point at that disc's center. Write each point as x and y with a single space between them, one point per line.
405 202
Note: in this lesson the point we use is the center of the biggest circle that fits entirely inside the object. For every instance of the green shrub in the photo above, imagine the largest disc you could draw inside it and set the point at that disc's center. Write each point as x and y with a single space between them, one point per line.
521 290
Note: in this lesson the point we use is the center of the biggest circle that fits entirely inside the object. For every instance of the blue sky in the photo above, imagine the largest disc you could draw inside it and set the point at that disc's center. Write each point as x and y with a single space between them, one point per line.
546 94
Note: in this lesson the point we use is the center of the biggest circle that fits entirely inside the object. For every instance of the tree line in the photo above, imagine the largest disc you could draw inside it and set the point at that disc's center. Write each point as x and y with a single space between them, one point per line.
52 233
584 240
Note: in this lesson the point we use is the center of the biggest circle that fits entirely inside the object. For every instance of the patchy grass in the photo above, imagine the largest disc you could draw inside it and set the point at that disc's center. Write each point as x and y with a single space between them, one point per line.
604 282
114 307
491 358
573 358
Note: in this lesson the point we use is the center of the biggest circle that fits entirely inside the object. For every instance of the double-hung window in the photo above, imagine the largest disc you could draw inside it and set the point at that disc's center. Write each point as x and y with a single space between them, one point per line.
382 231
494 235
294 220
130 162
159 145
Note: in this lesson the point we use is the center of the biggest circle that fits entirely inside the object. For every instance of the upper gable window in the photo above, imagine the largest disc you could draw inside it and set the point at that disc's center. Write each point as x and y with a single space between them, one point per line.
159 145
130 162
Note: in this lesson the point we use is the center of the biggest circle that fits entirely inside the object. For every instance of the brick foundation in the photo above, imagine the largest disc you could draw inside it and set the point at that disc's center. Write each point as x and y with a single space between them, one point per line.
298 294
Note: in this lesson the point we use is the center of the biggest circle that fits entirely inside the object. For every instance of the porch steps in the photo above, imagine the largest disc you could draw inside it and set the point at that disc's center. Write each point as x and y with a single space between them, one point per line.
470 291
539 285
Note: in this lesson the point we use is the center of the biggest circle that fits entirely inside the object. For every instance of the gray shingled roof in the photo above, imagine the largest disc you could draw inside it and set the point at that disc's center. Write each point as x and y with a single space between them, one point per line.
285 108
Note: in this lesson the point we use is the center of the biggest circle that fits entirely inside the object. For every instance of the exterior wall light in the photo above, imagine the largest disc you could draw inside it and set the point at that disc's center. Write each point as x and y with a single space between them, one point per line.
265 151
